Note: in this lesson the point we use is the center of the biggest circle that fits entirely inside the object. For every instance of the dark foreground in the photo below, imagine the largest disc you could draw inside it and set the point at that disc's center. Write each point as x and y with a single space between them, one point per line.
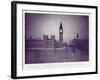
54 55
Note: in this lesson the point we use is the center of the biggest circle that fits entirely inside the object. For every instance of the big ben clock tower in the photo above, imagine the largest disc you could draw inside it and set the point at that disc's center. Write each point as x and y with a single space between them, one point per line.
61 35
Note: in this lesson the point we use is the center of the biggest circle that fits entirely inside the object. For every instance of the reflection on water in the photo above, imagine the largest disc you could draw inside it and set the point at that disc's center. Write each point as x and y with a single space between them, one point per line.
55 55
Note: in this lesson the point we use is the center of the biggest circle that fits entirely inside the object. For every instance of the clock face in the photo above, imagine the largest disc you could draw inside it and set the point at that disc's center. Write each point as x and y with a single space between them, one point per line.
60 30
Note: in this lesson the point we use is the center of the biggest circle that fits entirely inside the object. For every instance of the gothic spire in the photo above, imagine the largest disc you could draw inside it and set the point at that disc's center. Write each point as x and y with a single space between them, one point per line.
60 25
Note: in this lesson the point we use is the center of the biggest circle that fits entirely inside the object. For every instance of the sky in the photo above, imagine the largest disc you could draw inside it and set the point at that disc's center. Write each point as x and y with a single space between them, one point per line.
37 25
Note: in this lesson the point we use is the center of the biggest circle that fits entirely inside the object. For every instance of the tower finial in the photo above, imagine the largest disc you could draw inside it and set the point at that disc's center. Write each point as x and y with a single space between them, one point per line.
61 25
77 35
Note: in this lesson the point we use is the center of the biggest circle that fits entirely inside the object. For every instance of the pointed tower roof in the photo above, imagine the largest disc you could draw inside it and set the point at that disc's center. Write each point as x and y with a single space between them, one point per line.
60 26
77 35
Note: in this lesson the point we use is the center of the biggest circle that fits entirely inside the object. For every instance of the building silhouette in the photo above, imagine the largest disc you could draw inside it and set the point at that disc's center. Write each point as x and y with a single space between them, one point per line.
61 35
46 42
51 42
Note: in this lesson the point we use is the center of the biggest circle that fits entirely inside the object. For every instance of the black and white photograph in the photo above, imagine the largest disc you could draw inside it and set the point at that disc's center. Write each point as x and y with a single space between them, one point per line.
53 38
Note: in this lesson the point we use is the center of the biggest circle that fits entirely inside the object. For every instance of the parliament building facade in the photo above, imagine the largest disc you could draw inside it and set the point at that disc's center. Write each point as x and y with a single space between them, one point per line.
46 42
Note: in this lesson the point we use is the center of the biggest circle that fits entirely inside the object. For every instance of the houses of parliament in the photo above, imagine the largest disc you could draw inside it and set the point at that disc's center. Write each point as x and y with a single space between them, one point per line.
47 42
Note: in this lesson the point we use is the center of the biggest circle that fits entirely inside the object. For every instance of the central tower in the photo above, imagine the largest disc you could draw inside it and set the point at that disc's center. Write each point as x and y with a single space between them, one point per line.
61 34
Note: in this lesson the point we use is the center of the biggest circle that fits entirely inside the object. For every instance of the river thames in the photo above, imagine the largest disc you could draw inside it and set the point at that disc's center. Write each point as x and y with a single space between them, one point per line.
55 55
